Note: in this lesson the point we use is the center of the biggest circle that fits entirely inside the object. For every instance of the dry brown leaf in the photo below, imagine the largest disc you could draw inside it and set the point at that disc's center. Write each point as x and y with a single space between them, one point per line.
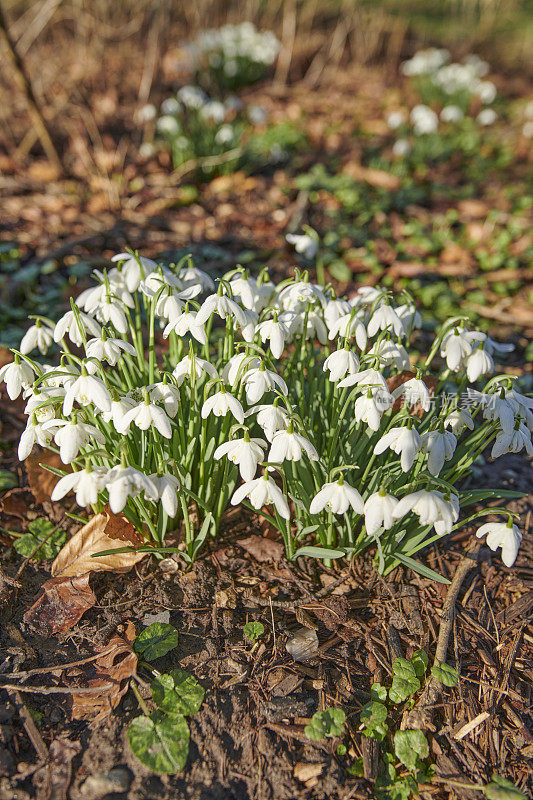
76 557
112 673
261 548
60 605
397 380
41 481
407 269
375 177
119 527
15 503
472 209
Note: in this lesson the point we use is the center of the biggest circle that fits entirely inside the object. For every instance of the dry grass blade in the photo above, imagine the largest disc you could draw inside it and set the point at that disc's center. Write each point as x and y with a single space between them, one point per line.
78 555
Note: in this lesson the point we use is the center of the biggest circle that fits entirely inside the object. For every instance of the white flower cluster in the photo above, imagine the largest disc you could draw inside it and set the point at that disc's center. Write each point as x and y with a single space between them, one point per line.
315 391
225 48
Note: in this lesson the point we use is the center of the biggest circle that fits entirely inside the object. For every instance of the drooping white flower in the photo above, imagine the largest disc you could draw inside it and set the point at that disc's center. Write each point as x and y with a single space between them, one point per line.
404 441
401 148
497 407
117 412
379 511
458 420
455 347
451 113
347 326
513 442
390 353
43 402
259 381
146 415
414 392
304 244
341 363
87 483
71 436
238 365
410 317
479 363
385 318
34 433
423 119
184 369
371 406
186 323
505 535
222 305
371 378
134 270
335 309
290 446
295 296
123 482
190 275
249 328
105 349
261 492
440 447
40 335
167 487
17 375
486 117
432 508
68 326
246 453
87 389
270 418
337 496
222 403
166 393
276 333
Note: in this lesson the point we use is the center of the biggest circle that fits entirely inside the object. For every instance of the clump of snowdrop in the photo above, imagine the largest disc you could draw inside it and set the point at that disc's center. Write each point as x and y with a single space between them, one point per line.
233 56
171 396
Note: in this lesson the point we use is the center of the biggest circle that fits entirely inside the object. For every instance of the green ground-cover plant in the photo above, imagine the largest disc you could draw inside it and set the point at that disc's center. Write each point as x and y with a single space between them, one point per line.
359 441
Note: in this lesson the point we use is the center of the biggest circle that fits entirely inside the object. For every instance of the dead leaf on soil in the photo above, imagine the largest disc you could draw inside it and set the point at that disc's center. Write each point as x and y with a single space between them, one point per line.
62 602
76 557
15 503
261 548
41 481
119 527
374 177
112 673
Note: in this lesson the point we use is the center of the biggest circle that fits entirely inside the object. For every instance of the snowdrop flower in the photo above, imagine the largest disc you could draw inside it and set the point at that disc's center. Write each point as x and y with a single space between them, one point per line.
440 447
335 309
17 375
301 292
414 392
379 511
166 490
515 441
347 326
147 414
337 496
190 275
304 244
455 347
367 377
261 492
486 117
424 120
341 363
64 376
107 299
87 389
251 293
505 535
41 402
39 335
270 418
186 323
486 91
105 349
277 334
225 134
370 407
34 433
115 415
479 363
122 482
68 325
222 403
222 305
134 270
165 393
184 369
395 119
406 442
385 318
401 148
289 446
390 353
71 436
497 407
249 328
458 420
87 483
238 365
451 114
315 328
409 316
246 453
259 381
523 404
432 508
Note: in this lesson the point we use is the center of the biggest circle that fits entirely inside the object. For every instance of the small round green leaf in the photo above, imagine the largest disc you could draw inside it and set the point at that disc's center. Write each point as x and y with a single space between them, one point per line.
160 741
253 630
329 722
444 673
409 746
502 789
156 640
177 693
